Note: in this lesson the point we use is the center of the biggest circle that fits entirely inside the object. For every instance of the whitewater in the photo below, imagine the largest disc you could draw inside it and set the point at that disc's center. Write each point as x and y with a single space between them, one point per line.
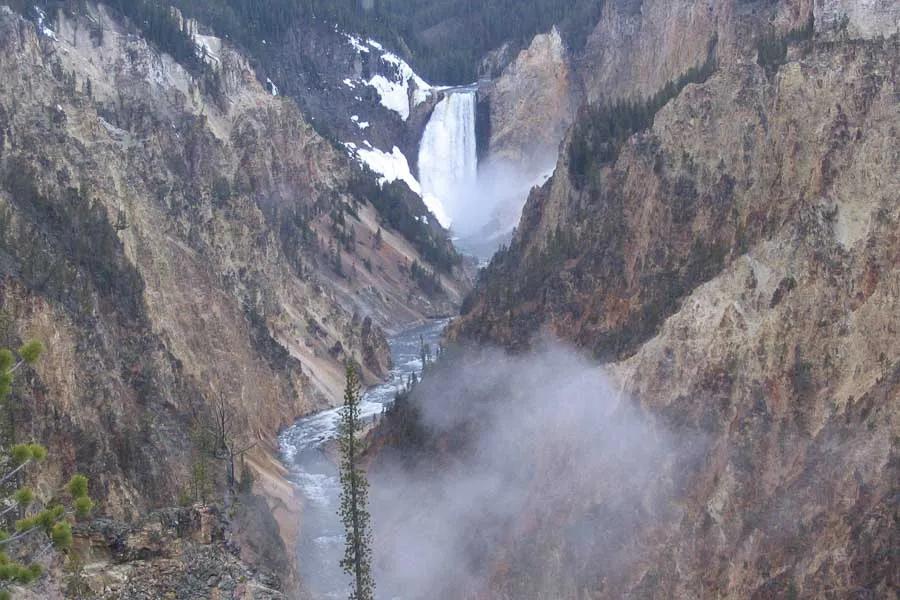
448 154
304 448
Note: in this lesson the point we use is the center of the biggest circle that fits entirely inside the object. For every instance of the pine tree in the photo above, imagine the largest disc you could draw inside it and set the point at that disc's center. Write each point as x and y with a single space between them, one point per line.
52 521
424 353
379 239
357 561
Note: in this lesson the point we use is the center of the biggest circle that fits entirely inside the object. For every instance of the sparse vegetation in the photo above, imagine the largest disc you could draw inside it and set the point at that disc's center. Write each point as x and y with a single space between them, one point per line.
218 437
772 48
24 514
68 234
393 207
427 280
600 131
468 29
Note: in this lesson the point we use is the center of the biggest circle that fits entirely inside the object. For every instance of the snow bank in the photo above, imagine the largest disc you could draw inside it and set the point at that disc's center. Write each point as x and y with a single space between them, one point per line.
422 89
208 49
394 167
394 95
41 23
391 167
393 90
356 43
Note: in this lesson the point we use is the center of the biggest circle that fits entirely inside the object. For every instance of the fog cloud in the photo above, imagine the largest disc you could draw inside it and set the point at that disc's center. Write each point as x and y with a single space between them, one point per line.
519 445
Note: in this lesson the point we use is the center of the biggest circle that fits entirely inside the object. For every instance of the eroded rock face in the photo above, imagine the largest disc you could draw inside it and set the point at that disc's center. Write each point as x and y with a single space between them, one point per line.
532 104
686 198
640 45
865 19
174 248
178 553
737 265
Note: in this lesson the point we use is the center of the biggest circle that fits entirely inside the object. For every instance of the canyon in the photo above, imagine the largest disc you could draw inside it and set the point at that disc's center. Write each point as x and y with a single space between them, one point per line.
676 375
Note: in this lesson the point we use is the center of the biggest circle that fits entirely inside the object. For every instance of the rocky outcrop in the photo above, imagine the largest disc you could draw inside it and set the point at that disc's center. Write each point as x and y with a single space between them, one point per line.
683 199
349 89
532 104
866 19
180 241
640 45
183 553
736 267
176 553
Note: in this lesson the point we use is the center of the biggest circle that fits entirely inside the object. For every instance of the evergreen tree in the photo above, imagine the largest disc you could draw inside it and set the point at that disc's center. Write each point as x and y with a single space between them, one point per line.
379 239
23 515
357 561
424 352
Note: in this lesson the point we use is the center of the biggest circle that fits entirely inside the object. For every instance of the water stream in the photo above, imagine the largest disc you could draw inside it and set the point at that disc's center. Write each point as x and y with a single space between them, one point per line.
316 476
448 156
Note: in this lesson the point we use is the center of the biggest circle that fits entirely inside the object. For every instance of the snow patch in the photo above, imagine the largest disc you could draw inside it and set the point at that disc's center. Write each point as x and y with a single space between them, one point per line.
41 24
394 91
394 95
271 86
423 88
356 43
394 167
208 49
391 167
349 83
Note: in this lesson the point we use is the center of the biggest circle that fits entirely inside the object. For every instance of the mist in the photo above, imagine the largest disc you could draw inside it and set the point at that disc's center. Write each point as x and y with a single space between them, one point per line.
504 453
486 213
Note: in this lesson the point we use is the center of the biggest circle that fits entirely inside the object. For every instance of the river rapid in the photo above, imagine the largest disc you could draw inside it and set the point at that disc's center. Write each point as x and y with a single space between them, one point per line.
316 476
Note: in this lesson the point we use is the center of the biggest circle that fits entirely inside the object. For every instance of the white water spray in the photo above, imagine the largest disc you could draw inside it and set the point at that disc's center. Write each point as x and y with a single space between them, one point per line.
448 157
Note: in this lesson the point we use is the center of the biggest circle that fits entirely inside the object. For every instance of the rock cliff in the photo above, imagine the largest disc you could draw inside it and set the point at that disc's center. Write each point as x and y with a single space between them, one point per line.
735 265
190 552
183 241
531 105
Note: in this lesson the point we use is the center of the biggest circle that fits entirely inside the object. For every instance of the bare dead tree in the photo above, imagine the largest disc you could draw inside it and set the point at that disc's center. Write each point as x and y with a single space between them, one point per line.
224 443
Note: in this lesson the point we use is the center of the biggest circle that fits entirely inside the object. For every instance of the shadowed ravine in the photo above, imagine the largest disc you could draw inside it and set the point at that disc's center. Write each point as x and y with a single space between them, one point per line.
304 451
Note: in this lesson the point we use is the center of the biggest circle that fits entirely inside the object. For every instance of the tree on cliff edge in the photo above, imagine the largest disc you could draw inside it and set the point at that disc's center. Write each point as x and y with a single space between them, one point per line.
354 513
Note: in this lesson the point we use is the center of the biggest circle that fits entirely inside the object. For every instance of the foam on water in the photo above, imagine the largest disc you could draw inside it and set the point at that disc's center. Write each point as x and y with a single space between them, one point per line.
317 477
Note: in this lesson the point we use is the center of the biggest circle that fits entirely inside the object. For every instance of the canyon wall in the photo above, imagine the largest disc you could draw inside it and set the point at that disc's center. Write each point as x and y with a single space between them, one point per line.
734 266
182 243
531 104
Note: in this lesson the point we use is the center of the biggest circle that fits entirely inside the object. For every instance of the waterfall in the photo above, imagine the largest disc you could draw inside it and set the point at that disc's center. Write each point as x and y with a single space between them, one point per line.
448 157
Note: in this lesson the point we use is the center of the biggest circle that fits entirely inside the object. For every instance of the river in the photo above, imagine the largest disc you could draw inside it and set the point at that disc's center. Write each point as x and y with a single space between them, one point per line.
316 476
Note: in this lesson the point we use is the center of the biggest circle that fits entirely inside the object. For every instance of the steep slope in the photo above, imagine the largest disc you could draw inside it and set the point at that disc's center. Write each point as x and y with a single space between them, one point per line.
355 91
181 247
604 250
531 104
737 265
